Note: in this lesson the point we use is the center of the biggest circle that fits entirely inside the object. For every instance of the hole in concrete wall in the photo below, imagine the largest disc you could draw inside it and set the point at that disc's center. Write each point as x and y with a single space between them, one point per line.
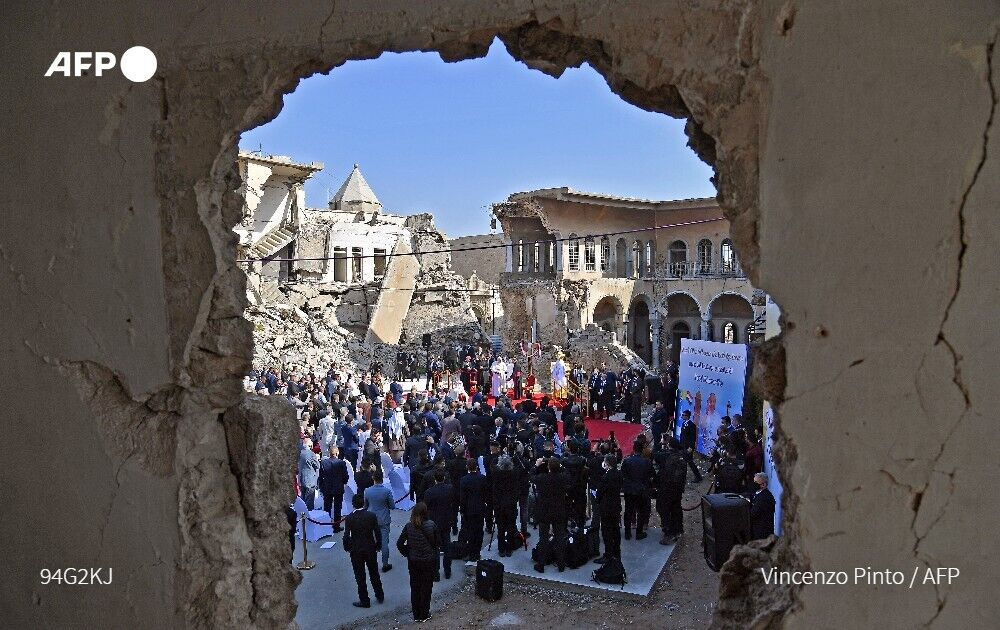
635 261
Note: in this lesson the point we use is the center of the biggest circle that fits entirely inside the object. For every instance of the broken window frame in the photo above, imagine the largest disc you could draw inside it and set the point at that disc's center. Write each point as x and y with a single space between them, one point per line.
605 252
705 256
340 264
357 264
589 255
727 262
573 256
381 262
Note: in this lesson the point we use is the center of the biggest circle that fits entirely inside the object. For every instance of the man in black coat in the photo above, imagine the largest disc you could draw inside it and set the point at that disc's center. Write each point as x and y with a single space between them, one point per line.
576 468
689 438
551 486
671 474
595 472
658 422
522 468
456 470
637 472
607 390
761 509
440 500
609 508
332 479
472 504
362 539
594 387
668 392
503 486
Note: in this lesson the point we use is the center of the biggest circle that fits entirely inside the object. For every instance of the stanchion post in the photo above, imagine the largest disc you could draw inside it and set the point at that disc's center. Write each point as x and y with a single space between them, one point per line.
305 564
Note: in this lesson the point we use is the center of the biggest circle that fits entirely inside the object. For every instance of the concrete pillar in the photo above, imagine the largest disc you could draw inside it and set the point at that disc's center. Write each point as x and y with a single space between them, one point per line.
559 254
705 319
655 339
509 251
367 264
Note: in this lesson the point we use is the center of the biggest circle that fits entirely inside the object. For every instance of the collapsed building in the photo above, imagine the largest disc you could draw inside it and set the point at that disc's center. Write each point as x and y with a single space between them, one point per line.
349 284
657 272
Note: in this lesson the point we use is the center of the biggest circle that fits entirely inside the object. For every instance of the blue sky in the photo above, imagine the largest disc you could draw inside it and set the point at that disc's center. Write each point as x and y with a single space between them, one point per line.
452 138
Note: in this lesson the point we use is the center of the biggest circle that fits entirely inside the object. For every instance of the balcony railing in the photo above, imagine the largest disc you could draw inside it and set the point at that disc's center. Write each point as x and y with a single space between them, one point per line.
687 270
692 270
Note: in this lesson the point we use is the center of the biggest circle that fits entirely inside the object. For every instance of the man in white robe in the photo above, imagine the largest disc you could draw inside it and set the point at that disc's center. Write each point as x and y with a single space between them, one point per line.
499 376
559 377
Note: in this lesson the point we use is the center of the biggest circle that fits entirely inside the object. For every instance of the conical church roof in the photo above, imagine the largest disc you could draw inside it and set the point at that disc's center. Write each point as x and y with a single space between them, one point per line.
355 190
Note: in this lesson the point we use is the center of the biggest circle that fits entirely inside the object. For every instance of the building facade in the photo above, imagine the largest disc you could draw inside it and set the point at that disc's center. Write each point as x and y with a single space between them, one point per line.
273 190
650 273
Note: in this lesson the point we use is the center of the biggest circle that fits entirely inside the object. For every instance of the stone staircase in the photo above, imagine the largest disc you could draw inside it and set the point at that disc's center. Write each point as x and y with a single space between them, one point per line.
272 242
627 355
594 335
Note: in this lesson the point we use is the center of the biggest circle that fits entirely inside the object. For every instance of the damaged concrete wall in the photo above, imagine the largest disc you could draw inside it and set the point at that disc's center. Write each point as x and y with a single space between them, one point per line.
485 263
124 301
441 304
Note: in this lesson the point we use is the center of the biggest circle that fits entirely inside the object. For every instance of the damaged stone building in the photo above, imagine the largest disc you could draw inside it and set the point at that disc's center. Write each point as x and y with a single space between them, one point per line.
631 275
857 158
351 283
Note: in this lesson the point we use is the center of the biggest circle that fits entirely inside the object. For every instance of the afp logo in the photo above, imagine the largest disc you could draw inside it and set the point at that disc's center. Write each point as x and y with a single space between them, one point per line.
138 64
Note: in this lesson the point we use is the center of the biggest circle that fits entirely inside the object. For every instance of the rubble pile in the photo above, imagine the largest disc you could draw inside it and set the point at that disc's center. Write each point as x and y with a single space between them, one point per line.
314 325
441 304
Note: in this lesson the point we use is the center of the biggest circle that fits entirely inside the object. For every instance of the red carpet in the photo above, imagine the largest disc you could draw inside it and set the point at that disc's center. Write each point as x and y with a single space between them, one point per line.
625 432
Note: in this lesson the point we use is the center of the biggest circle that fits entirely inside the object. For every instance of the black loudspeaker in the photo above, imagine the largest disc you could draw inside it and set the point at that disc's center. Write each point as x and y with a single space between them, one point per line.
489 580
426 340
725 520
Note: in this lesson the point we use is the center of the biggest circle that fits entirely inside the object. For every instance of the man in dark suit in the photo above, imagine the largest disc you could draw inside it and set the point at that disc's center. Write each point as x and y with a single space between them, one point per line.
552 486
761 509
607 390
668 392
609 508
576 469
517 375
637 472
594 387
362 539
689 438
658 423
332 479
671 474
351 441
440 500
503 485
472 504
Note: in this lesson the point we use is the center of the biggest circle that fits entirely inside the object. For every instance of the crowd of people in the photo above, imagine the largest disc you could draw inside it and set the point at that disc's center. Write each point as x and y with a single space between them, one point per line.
481 464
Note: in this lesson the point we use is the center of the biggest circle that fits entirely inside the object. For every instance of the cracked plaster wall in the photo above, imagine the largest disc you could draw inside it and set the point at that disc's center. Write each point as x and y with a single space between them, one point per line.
864 129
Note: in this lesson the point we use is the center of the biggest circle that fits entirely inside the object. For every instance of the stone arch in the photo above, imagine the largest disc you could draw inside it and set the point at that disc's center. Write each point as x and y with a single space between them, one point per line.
608 313
638 330
730 304
675 300
731 308
683 321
